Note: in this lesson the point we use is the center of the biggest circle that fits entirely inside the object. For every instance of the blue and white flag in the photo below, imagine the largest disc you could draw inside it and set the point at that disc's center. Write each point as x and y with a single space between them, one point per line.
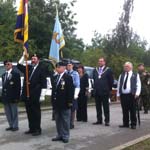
57 42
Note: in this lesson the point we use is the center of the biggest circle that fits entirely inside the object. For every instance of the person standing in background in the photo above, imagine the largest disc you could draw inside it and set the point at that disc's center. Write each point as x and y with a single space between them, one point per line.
82 99
103 82
128 90
11 86
144 96
76 81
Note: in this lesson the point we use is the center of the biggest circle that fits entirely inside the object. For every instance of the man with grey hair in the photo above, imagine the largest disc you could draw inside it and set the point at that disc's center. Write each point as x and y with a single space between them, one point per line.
128 90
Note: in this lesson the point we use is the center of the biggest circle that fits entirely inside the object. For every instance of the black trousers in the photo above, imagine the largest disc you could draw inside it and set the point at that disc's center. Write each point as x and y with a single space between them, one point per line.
128 104
34 115
82 108
102 101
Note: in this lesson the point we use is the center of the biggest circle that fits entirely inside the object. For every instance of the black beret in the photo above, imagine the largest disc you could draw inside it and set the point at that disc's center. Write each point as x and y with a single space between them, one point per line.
35 55
59 64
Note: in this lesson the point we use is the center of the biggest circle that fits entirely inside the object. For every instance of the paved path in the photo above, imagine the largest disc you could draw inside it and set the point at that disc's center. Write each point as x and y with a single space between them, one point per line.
85 136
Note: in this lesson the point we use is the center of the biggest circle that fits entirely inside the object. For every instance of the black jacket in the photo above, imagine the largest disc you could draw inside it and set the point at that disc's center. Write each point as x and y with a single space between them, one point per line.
11 87
36 83
84 83
63 93
103 84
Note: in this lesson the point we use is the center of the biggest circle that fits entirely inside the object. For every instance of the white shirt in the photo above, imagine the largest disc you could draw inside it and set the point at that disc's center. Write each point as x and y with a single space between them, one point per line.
102 68
60 77
33 71
9 71
128 88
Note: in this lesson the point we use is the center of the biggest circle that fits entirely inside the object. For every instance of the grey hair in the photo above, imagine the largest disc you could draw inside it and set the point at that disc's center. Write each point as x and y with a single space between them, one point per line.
128 63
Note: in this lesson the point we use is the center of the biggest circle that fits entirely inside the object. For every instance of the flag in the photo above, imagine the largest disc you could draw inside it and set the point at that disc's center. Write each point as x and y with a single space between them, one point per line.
21 30
58 41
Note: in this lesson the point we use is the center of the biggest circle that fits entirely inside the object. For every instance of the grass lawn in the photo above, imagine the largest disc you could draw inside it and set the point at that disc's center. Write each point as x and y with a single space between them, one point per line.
144 145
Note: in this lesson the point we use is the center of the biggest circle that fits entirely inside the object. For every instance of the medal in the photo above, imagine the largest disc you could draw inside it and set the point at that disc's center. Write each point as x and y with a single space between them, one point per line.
99 76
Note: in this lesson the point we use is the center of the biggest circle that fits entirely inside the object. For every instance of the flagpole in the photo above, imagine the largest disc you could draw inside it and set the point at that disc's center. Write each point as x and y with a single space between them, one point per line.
21 36
27 74
25 49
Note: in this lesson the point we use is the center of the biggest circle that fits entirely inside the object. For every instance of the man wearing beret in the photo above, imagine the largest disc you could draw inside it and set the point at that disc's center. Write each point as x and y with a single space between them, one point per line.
11 86
37 87
62 96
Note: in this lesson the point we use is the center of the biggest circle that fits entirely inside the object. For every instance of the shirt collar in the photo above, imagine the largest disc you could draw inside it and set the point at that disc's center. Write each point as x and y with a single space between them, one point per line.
102 67
130 72
9 71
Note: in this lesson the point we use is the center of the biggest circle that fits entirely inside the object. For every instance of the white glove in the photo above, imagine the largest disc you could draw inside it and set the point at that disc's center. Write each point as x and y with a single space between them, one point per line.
76 93
43 93
21 60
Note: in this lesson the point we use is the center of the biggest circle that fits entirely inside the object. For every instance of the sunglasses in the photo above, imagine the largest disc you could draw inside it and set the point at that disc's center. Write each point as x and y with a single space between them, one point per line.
7 64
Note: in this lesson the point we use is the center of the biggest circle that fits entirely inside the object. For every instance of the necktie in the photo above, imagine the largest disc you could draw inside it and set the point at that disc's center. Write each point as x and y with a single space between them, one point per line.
100 70
6 76
57 80
125 82
31 73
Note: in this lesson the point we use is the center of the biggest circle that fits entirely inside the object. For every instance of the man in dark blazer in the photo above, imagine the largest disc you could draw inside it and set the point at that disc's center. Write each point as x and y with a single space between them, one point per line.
37 85
103 81
62 96
11 86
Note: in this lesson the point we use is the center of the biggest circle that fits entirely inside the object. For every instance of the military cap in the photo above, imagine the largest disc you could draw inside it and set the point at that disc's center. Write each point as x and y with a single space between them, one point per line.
69 62
59 64
35 55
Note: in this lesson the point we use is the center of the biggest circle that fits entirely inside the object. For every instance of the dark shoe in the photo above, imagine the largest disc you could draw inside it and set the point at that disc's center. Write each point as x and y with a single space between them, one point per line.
28 132
84 120
71 126
133 127
97 123
65 140
9 129
145 112
123 126
107 124
15 129
79 120
57 139
36 133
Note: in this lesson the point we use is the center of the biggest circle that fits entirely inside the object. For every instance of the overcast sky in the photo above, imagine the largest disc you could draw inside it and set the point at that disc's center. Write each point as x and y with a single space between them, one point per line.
103 15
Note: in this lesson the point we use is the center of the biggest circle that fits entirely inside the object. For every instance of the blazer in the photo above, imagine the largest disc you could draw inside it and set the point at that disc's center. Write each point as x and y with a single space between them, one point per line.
103 84
63 93
11 87
84 84
36 83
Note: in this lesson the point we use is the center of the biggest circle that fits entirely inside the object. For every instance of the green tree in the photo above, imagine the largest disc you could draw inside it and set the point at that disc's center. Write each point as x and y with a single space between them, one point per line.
8 49
42 24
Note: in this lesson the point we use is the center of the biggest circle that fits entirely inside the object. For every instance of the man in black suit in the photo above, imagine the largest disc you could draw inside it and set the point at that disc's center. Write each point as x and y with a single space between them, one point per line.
62 97
103 81
11 86
37 86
